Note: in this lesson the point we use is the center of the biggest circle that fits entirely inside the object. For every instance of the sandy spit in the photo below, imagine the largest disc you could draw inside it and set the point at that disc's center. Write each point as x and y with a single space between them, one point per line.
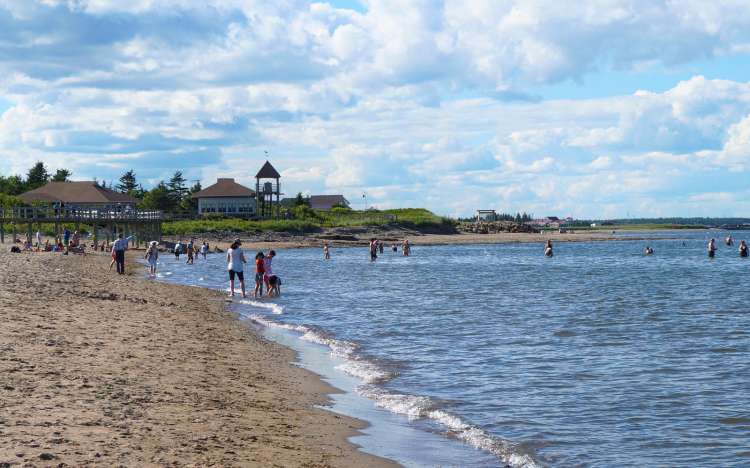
106 370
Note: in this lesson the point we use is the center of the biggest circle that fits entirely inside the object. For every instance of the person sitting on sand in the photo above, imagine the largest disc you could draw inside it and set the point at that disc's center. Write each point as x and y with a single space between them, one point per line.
406 248
326 251
548 249
712 248
259 272
235 266
743 249
373 249
648 250
152 255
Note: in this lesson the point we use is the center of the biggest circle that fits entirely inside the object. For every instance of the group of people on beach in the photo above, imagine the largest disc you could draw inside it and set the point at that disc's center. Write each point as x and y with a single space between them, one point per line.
191 250
264 276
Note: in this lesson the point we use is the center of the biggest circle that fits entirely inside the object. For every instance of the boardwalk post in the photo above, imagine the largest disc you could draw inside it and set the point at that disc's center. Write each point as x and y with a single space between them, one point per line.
2 232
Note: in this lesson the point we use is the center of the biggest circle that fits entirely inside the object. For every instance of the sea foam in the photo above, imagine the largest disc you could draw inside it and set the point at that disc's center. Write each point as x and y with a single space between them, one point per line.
412 406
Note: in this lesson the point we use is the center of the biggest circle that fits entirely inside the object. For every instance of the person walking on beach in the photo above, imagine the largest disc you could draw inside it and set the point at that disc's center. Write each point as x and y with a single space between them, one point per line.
712 248
38 240
326 251
406 248
235 266
373 249
381 247
66 237
177 250
118 251
743 249
190 252
548 249
204 250
152 255
259 272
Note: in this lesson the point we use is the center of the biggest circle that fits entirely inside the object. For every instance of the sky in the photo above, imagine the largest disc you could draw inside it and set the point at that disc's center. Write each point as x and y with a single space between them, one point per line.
591 109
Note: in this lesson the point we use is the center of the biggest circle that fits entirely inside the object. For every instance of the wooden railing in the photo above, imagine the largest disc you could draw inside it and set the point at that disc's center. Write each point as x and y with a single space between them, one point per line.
28 213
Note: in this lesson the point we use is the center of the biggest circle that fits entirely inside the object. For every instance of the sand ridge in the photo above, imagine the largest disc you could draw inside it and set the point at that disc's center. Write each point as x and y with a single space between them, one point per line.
107 370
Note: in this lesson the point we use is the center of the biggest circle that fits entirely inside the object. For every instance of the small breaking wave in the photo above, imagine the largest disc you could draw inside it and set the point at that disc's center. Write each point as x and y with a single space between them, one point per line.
412 406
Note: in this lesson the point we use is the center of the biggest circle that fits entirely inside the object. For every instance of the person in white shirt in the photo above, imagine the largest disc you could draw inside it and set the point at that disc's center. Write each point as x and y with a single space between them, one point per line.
118 252
235 266
38 240
152 255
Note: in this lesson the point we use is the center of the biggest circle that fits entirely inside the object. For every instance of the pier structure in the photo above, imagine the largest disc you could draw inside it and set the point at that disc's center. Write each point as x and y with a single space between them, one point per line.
105 223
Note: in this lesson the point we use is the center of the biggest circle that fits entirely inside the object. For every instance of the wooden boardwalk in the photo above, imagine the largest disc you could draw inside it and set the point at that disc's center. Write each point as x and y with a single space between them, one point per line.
144 225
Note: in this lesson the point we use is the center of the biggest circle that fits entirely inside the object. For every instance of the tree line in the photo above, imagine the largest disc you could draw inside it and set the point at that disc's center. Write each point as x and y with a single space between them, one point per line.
173 195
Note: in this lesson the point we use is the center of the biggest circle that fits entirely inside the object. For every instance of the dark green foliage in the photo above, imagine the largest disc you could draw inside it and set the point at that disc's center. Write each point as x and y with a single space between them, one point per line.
61 175
37 176
12 185
128 184
177 187
158 198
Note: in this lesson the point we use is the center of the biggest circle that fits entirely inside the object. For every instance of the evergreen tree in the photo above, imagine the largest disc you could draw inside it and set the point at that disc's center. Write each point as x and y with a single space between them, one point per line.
128 183
61 175
158 198
37 176
177 188
189 203
300 200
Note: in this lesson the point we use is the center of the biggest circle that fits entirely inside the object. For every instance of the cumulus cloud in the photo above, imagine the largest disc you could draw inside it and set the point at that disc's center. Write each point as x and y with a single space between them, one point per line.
408 100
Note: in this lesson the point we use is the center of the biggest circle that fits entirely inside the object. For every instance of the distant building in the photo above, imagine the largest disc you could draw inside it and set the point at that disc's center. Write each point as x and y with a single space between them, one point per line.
80 195
486 215
226 197
326 202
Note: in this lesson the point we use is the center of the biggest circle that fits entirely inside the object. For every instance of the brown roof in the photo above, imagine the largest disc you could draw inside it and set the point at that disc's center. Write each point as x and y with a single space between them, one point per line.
225 188
268 172
87 192
326 202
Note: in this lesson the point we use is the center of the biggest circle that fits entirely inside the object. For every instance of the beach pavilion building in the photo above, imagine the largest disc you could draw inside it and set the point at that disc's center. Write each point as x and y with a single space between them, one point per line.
227 197
80 196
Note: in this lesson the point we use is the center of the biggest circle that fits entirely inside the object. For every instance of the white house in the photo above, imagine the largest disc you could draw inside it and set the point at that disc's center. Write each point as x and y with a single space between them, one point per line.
226 197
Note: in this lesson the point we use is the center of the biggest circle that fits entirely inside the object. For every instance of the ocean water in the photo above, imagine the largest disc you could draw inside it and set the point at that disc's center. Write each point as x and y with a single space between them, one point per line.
599 356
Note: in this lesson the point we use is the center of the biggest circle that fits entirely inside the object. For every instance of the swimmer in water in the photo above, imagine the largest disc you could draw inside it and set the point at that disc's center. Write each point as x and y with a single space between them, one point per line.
326 251
648 250
548 249
743 249
712 248
729 241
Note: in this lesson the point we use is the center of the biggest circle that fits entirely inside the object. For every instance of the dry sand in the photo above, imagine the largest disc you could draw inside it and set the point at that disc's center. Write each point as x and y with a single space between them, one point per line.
107 370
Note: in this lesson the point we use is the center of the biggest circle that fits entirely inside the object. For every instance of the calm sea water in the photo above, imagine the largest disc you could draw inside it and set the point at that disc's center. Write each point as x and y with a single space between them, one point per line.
598 356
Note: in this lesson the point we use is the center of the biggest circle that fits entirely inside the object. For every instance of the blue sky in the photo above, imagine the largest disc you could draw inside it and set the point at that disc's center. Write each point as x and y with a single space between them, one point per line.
597 108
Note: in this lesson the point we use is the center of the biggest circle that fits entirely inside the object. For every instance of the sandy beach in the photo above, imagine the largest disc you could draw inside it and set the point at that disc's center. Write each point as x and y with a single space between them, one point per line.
107 370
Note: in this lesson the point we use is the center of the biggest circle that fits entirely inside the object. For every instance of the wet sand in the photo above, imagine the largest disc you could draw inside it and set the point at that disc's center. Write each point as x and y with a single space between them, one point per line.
107 370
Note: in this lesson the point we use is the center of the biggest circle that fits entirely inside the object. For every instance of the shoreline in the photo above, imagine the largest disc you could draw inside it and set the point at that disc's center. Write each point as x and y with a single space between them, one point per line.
361 239
111 369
